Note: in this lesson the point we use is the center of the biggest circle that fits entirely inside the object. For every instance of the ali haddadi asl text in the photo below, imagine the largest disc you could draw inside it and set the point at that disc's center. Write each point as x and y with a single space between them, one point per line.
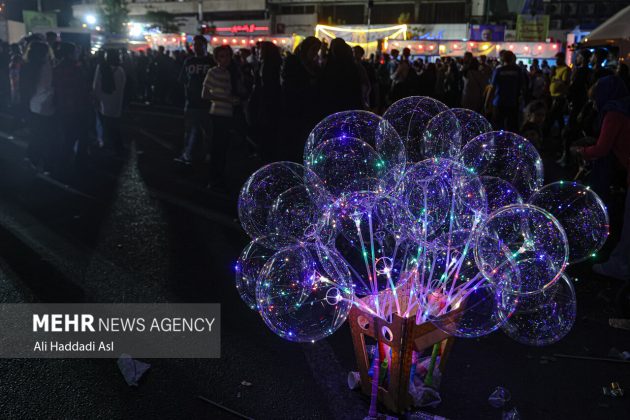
73 346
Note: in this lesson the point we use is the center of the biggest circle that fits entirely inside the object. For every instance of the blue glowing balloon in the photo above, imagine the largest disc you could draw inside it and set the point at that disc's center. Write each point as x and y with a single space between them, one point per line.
301 299
521 248
443 136
507 156
499 193
581 213
543 318
445 199
280 201
355 151
410 117
249 265
471 124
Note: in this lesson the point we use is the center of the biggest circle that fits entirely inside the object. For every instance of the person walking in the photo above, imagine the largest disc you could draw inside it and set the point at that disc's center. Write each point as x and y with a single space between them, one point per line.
36 92
221 87
15 64
197 121
109 90
72 107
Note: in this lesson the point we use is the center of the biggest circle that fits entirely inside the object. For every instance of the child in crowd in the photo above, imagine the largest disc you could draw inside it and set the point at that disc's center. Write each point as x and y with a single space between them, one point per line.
532 128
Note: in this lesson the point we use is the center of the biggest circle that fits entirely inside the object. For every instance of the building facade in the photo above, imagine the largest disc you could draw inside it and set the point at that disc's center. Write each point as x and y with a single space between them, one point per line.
296 16
301 16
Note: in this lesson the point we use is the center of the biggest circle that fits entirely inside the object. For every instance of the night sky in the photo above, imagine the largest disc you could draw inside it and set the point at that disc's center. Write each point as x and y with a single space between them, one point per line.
64 8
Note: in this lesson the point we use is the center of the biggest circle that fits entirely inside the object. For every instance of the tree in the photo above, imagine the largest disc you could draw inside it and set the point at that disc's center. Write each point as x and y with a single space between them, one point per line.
164 21
115 14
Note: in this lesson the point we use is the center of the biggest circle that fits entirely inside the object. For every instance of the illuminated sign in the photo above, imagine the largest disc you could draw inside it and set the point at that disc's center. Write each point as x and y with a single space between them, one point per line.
235 29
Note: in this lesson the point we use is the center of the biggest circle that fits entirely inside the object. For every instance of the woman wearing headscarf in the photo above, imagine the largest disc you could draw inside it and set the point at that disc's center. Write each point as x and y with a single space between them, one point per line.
300 80
341 80
266 102
612 102
36 94
109 90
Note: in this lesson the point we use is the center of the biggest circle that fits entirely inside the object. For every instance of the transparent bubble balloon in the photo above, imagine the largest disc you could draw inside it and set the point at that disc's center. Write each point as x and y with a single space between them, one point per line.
249 265
543 318
444 198
301 299
581 213
499 193
523 248
442 136
471 124
507 156
281 200
478 311
373 241
410 116
355 151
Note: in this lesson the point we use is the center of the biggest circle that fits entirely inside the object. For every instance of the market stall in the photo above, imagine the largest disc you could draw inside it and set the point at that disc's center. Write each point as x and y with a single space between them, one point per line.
613 34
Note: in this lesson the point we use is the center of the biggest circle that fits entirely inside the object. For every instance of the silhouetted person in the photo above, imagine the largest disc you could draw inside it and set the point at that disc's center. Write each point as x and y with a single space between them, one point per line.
598 61
197 121
15 64
365 70
474 86
109 91
221 87
558 89
266 102
508 83
623 73
427 81
613 105
301 92
72 108
404 81
160 74
36 92
341 81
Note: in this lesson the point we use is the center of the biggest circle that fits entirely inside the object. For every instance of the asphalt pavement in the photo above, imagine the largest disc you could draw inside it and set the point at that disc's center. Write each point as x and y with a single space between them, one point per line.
145 229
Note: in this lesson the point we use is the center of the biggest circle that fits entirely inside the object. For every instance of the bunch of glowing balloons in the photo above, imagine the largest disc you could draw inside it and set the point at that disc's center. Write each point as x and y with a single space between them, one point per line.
424 212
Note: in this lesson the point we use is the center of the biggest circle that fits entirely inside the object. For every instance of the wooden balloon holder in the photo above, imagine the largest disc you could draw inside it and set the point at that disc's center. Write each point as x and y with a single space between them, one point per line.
403 337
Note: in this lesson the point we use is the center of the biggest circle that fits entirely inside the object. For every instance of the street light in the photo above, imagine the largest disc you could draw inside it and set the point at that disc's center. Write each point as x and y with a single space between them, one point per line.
90 19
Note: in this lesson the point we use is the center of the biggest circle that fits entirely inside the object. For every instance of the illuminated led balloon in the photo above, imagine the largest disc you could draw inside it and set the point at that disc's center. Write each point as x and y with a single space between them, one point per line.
580 211
355 151
443 136
479 311
471 124
499 193
279 201
521 248
301 299
410 116
543 318
443 198
467 239
249 265
507 156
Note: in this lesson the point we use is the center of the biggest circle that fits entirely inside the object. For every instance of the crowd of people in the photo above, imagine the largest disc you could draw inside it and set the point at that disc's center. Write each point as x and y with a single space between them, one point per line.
269 99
